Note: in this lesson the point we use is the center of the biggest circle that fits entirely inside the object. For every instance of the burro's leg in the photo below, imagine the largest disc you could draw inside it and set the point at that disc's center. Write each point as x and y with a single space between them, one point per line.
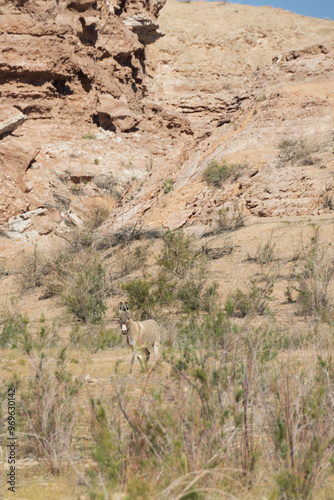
140 358
156 350
147 354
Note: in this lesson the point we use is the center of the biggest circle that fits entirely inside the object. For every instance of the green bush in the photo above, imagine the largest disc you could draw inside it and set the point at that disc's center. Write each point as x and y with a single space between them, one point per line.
314 276
262 97
178 256
85 293
13 331
168 186
240 304
230 218
149 295
217 173
190 295
195 297
49 401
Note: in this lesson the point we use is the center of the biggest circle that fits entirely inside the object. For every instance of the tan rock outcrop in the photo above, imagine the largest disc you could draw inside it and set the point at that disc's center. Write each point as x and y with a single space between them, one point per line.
115 113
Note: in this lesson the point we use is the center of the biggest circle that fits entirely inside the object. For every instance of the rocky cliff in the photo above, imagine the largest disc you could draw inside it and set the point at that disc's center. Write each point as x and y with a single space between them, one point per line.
101 105
65 66
256 86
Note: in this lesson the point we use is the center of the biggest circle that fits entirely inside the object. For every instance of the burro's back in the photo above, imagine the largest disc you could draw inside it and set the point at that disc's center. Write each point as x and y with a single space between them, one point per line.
140 335
150 331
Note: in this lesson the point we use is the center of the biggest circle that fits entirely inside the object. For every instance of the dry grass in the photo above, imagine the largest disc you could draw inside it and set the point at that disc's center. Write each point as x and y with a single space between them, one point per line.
233 408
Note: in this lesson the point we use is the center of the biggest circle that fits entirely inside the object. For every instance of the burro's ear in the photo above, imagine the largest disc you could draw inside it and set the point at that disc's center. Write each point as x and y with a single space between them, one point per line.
120 306
127 308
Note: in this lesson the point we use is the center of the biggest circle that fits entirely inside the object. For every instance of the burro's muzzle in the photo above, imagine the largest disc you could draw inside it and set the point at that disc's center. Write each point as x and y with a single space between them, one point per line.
124 330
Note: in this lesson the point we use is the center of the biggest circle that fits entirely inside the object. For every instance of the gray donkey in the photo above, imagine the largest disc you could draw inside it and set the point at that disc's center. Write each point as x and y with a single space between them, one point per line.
140 335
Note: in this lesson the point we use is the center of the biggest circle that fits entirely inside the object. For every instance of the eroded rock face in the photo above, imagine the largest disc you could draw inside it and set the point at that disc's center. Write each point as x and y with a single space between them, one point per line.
281 133
65 65
93 111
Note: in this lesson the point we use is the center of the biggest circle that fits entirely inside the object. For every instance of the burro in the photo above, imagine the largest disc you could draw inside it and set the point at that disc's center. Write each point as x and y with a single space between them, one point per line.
142 336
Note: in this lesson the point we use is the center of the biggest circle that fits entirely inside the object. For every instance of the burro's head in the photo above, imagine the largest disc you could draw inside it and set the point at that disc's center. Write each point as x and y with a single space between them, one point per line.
124 316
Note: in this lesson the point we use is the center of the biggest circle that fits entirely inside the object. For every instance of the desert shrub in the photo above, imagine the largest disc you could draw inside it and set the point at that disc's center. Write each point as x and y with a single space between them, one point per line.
127 235
262 97
133 259
231 409
230 217
181 276
35 267
85 292
149 295
217 173
108 184
190 295
195 297
298 151
210 297
256 300
110 446
264 253
97 217
178 256
314 276
49 401
327 201
13 330
303 443
168 186
88 136
238 304
199 332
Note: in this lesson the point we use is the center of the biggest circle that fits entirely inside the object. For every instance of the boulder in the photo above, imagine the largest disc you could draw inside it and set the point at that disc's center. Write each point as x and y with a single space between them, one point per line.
115 114
10 119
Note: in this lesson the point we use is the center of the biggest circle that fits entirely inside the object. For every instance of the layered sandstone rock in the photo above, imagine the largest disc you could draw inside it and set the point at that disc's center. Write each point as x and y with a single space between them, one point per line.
281 131
97 105
65 65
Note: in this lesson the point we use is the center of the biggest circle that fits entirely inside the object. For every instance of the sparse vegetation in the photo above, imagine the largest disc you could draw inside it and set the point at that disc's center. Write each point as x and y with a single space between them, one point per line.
264 253
168 186
127 235
133 259
88 136
314 275
256 300
49 402
217 173
108 184
95 339
262 97
13 331
230 396
230 217
97 217
299 152
227 385
77 190
84 292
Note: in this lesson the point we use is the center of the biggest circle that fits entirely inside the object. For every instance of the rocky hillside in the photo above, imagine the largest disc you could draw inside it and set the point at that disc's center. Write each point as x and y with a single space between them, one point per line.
100 105
256 88
66 68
